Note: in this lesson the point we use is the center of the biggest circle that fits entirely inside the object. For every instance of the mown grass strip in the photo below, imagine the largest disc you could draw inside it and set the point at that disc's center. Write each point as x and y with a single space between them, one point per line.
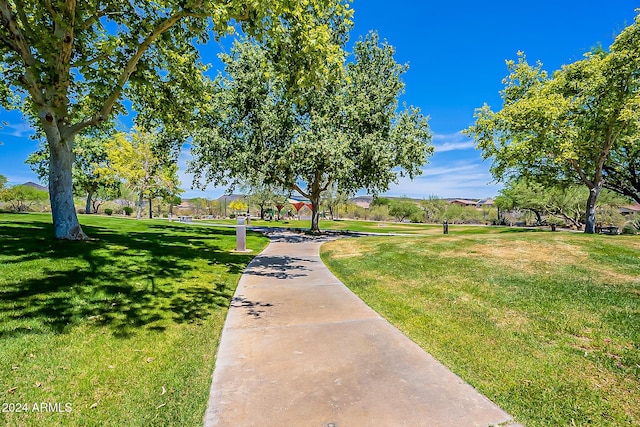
547 325
119 330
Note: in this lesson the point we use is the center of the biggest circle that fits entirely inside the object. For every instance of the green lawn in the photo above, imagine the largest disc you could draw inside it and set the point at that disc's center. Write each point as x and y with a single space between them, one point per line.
119 330
545 324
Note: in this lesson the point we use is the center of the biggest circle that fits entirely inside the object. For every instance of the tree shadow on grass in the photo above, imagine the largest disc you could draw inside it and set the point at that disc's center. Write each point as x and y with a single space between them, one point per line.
143 277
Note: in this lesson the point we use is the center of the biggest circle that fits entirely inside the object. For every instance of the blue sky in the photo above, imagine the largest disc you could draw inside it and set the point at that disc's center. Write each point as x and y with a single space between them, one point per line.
456 51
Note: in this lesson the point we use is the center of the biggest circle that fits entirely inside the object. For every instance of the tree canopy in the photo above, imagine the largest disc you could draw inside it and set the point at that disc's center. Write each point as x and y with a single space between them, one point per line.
564 128
346 133
403 209
69 65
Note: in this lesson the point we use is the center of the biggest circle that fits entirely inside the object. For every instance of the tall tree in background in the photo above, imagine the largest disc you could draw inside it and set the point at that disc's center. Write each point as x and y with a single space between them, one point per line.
133 161
346 133
564 128
67 65
264 197
333 198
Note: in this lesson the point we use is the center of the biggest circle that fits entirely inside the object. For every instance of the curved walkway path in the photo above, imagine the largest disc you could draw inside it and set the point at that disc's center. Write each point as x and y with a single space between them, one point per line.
300 349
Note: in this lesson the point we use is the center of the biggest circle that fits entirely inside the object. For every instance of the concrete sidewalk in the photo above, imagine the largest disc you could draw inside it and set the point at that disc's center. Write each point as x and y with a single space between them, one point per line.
300 349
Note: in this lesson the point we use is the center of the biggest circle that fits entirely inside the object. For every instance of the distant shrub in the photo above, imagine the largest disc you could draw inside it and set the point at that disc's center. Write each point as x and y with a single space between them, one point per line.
379 213
128 210
417 217
81 211
630 228
108 211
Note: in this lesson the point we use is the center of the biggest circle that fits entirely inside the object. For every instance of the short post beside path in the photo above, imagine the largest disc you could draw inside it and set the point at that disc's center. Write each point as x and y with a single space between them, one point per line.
241 236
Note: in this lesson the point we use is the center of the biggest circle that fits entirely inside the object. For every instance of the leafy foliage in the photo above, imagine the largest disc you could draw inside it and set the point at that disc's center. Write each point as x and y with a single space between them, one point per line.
401 209
133 160
346 134
562 129
90 162
22 197
69 65
550 202
238 206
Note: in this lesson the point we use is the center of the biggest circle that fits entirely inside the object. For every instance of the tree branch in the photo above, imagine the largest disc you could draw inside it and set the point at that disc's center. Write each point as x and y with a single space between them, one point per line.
24 19
301 191
88 62
8 43
54 14
65 32
19 45
129 69
580 172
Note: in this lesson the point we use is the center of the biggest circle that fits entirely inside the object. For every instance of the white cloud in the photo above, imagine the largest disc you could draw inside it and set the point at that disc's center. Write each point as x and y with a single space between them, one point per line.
452 142
462 174
463 179
18 130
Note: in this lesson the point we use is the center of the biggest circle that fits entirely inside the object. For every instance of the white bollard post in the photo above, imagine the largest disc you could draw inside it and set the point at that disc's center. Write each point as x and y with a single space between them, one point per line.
241 235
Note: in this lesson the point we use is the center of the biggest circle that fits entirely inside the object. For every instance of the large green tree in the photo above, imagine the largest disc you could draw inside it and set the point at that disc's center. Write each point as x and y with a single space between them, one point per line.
564 128
402 209
68 65
346 133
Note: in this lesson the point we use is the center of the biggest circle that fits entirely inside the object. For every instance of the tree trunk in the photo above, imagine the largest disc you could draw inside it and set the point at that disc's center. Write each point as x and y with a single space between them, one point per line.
590 224
139 210
87 207
538 217
96 205
150 210
315 213
63 211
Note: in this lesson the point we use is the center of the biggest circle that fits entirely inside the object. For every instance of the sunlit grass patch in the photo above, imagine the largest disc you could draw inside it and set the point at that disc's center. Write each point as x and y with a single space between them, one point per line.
546 324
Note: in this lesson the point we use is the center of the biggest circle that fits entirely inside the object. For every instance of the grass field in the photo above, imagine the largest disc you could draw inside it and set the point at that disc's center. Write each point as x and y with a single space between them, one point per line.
120 330
123 329
545 324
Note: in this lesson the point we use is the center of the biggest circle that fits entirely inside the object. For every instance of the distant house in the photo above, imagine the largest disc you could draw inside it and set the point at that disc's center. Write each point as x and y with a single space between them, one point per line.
630 209
485 202
463 202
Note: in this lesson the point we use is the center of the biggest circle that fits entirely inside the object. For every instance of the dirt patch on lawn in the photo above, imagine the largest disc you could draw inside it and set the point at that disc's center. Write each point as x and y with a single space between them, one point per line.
526 256
344 248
